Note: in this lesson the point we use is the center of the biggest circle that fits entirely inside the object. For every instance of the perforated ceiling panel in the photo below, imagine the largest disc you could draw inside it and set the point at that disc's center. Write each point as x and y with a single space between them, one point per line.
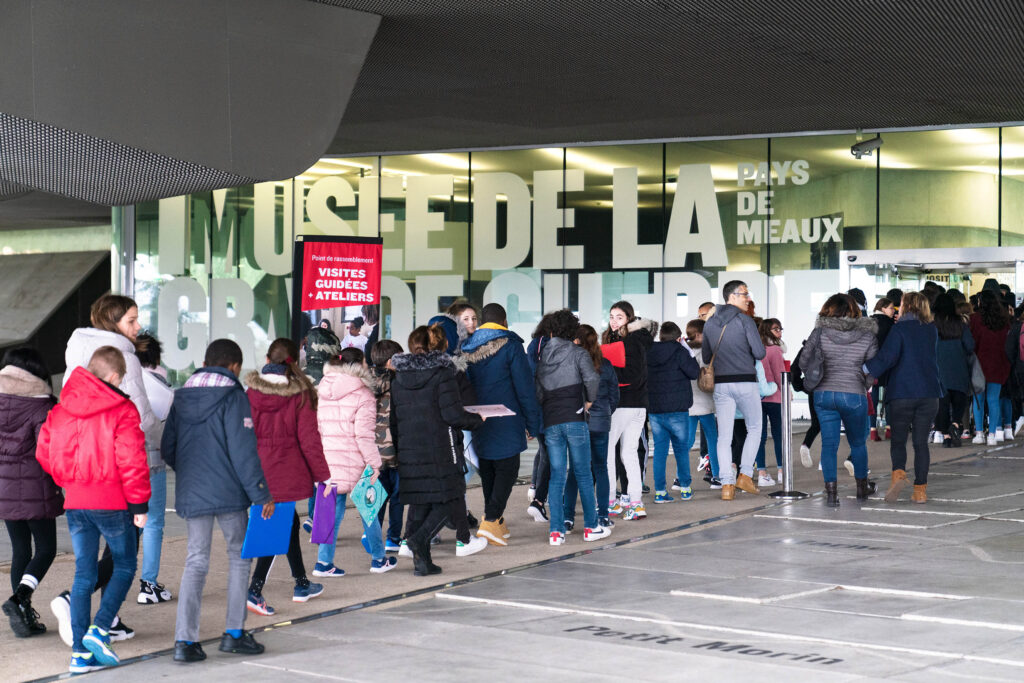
456 74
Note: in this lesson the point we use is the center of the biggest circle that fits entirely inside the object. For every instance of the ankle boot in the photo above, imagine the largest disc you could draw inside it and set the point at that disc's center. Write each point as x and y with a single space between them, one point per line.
956 435
864 488
896 485
421 560
831 495
920 494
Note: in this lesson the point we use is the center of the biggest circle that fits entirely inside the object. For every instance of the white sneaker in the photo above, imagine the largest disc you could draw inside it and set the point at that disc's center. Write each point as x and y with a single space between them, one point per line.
765 480
938 438
992 440
61 608
475 545
1017 425
780 476
805 456
819 466
979 438
848 464
1000 437
555 538
404 550
597 533
1008 434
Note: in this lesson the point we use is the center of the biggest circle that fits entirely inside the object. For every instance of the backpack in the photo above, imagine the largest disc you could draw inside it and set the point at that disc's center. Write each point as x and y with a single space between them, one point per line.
796 375
813 367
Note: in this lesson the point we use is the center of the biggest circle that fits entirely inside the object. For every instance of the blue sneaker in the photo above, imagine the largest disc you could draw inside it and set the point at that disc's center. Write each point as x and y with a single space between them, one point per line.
306 590
97 641
391 546
328 569
366 544
83 663
307 525
685 493
662 497
385 564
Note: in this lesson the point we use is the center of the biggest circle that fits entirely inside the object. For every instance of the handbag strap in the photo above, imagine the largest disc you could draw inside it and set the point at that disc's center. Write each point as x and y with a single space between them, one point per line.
719 343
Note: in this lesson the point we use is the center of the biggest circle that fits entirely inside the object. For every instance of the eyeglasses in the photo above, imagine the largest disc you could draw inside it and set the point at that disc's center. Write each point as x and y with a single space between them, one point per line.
776 329
745 295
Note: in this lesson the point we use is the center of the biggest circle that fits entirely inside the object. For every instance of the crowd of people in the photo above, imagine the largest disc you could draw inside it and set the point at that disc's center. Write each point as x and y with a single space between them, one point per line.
928 366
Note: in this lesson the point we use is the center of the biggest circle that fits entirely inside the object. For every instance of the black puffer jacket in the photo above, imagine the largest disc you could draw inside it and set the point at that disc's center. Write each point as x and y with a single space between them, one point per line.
26 491
426 416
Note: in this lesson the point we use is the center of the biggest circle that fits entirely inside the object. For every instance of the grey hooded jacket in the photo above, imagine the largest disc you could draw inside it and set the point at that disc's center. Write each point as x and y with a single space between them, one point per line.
846 343
740 345
566 379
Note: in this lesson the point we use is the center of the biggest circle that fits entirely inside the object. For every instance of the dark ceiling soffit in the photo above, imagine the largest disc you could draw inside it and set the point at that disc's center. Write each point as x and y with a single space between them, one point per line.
179 97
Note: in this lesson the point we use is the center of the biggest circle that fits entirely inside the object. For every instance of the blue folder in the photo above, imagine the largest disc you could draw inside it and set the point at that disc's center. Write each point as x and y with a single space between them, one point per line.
266 537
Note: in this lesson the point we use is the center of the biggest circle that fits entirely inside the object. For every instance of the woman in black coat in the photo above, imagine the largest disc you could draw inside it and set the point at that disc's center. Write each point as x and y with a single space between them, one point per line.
29 500
427 415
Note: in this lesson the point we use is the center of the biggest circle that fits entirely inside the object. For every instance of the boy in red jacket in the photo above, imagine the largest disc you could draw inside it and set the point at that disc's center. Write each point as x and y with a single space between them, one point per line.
93 447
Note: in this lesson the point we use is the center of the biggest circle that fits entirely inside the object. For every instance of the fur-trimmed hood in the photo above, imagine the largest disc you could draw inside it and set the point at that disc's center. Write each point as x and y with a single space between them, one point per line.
341 380
274 385
493 337
486 350
644 324
17 382
847 324
409 362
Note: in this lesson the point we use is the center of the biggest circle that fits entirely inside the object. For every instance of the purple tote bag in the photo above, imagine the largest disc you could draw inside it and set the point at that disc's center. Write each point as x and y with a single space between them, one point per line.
323 515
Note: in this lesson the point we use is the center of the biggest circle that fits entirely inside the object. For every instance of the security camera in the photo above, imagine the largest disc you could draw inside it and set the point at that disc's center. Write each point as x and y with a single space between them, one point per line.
865 148
851 259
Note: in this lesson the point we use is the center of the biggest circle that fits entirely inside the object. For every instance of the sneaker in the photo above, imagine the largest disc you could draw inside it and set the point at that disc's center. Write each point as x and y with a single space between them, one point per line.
634 512
936 437
188 652
569 525
385 564
684 494
307 525
97 641
702 464
1008 433
645 489
967 433
676 485
614 508
805 456
61 608
246 645
848 464
537 511
888 432
992 440
257 604
475 545
597 533
120 630
606 522
24 620
151 593
492 532
391 546
83 663
404 550
1000 435
765 480
505 533
779 476
715 483
306 590
662 497
1018 425
979 438
556 538
327 569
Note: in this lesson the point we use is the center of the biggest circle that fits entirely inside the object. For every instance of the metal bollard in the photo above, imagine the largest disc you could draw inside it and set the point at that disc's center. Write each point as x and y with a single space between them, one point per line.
787 492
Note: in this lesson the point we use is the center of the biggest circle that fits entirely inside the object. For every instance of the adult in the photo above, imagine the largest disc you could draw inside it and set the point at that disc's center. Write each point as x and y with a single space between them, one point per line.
731 346
705 310
625 343
427 415
321 345
844 340
989 327
955 346
499 370
29 500
371 313
913 391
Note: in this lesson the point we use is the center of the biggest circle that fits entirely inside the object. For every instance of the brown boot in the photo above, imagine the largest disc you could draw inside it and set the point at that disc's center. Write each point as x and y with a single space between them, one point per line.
898 482
920 494
745 483
728 491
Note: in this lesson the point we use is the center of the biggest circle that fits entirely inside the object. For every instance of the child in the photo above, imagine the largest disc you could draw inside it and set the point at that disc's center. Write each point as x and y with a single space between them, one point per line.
93 446
210 444
347 416
283 402
381 354
702 412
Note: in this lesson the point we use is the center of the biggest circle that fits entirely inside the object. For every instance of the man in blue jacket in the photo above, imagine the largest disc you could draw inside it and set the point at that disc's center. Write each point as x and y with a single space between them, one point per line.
210 444
500 372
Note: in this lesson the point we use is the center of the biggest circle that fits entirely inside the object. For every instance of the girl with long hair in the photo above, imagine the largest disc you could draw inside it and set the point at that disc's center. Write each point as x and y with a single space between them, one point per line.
774 364
955 346
989 327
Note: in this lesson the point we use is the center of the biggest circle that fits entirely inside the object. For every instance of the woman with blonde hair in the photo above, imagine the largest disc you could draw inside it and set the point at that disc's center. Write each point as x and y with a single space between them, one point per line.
912 393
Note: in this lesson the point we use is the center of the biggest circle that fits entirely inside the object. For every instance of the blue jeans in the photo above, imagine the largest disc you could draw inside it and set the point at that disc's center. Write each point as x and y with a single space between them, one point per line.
86 527
995 413
569 440
393 505
153 532
599 470
834 407
374 536
674 427
710 428
771 413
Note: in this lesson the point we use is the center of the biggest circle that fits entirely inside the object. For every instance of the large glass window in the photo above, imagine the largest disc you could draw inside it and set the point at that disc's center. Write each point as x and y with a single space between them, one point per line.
1012 190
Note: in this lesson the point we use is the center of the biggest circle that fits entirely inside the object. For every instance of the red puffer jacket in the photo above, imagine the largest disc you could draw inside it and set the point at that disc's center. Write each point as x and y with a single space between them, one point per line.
93 447
287 437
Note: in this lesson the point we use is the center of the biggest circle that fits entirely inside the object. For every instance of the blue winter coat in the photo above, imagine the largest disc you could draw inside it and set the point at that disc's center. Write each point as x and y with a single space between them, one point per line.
210 444
910 354
670 367
607 399
500 372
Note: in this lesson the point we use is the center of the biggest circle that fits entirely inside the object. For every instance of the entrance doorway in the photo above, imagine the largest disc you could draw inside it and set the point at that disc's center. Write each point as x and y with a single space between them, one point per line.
966 269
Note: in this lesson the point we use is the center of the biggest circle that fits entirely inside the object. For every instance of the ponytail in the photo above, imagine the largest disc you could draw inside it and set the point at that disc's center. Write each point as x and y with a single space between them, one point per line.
424 339
283 351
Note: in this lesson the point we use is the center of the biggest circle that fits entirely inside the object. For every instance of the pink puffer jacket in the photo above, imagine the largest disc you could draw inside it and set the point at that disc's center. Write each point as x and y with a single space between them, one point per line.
347 416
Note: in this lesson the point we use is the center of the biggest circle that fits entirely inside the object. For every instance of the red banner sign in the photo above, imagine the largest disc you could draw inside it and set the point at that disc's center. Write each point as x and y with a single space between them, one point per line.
336 274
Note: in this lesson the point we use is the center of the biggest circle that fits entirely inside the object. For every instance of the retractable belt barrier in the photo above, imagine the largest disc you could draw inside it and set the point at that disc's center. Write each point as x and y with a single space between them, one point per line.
787 492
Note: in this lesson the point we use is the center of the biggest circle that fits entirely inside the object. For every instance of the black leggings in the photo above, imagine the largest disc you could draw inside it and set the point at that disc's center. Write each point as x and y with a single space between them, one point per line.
815 428
955 403
23 560
425 520
263 564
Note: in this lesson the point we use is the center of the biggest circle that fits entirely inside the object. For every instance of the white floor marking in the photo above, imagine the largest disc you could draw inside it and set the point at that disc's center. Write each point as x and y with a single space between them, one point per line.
874 589
938 654
962 622
850 522
974 500
754 601
912 511
314 674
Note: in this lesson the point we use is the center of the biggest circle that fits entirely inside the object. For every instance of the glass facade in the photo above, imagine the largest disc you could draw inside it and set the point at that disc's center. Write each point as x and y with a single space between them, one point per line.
662 225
